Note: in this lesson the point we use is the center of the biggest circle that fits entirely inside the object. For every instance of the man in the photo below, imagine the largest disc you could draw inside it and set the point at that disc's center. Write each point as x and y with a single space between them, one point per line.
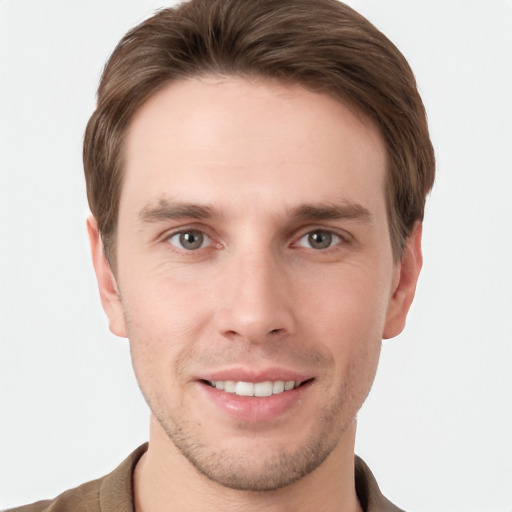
256 173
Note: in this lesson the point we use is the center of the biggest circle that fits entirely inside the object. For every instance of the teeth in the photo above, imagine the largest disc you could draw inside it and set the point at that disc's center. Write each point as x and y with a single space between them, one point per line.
229 386
263 389
267 388
289 384
278 387
244 389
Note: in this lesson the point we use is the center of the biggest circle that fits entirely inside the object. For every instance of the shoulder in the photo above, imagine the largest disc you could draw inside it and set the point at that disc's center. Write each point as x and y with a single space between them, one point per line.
111 493
84 498
368 492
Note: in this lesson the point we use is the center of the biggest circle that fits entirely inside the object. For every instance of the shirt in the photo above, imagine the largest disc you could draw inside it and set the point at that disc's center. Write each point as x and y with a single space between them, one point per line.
114 492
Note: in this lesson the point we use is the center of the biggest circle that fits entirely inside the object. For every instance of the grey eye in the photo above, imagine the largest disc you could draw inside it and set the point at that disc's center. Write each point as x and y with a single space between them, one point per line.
319 239
189 240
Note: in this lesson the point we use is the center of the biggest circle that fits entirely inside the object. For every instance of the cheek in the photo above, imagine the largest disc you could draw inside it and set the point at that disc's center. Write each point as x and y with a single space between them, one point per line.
348 319
163 320
163 299
351 303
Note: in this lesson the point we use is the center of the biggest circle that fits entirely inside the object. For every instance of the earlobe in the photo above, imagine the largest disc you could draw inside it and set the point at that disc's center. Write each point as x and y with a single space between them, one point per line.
404 288
107 285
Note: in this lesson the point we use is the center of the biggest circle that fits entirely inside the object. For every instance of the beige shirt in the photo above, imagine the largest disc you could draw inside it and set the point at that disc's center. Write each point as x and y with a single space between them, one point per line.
114 492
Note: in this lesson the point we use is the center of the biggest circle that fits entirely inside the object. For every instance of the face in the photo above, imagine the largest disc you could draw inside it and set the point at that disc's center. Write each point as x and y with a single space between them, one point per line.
255 277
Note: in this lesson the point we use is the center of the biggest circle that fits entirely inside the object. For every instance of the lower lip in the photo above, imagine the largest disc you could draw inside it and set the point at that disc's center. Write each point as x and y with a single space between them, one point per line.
253 408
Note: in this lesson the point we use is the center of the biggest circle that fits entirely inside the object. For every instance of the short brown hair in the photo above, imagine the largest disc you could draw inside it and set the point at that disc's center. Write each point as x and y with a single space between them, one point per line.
323 45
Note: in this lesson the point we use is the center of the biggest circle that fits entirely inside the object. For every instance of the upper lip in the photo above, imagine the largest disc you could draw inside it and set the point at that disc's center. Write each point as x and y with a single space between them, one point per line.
254 375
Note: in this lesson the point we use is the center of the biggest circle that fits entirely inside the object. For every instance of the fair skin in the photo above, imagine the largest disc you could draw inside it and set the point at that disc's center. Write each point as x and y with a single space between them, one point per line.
253 246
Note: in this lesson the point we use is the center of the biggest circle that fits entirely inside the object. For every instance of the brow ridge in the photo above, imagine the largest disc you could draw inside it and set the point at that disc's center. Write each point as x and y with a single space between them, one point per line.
331 211
169 210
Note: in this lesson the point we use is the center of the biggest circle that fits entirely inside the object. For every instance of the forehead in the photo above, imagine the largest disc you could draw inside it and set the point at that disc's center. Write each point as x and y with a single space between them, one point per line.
236 140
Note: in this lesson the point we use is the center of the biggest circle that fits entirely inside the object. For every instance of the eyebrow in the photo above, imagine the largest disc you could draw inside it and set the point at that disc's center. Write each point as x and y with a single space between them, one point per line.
170 210
167 209
331 211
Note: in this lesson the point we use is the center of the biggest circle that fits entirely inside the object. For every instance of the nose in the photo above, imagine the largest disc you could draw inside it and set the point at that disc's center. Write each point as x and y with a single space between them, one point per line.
256 298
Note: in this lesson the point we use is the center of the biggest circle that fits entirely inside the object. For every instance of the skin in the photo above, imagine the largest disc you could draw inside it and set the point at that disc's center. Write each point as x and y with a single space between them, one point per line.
293 272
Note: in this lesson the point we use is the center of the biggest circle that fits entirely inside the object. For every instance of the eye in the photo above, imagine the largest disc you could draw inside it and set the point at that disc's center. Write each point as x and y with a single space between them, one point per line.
189 240
319 239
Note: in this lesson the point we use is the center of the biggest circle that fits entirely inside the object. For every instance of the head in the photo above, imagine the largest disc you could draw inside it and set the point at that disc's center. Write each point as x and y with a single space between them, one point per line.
257 173
329 48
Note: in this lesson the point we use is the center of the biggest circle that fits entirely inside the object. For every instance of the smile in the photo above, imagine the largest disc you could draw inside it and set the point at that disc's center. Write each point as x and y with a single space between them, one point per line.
259 389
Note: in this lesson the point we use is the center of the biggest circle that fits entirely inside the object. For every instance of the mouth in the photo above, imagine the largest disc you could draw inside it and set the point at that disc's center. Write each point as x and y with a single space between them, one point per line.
256 389
256 397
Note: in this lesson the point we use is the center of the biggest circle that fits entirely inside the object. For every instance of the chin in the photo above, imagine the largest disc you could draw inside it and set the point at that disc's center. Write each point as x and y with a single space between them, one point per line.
256 461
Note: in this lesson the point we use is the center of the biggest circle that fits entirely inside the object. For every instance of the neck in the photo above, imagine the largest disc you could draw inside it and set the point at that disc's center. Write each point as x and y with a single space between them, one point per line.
165 481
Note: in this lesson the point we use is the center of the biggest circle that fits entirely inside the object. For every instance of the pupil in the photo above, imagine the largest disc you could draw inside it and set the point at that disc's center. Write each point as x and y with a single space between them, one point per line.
320 239
191 239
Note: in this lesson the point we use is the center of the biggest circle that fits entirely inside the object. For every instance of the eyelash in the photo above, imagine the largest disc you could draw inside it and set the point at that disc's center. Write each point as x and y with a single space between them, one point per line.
207 239
336 239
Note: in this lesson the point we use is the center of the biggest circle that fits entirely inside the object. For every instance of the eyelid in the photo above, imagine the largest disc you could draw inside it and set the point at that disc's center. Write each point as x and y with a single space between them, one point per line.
335 240
346 237
341 233
192 226
205 242
177 230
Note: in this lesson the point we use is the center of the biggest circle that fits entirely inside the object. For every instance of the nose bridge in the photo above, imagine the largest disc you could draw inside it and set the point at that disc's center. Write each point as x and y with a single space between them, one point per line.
255 301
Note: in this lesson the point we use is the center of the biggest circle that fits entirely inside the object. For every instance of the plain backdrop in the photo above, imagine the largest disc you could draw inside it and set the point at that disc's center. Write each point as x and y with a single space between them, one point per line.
437 427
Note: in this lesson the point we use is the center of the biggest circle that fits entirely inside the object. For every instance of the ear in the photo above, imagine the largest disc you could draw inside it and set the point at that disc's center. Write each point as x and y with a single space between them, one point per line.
404 284
109 291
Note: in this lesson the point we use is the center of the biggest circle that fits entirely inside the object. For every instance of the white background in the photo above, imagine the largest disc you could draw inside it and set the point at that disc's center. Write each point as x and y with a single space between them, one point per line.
437 428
